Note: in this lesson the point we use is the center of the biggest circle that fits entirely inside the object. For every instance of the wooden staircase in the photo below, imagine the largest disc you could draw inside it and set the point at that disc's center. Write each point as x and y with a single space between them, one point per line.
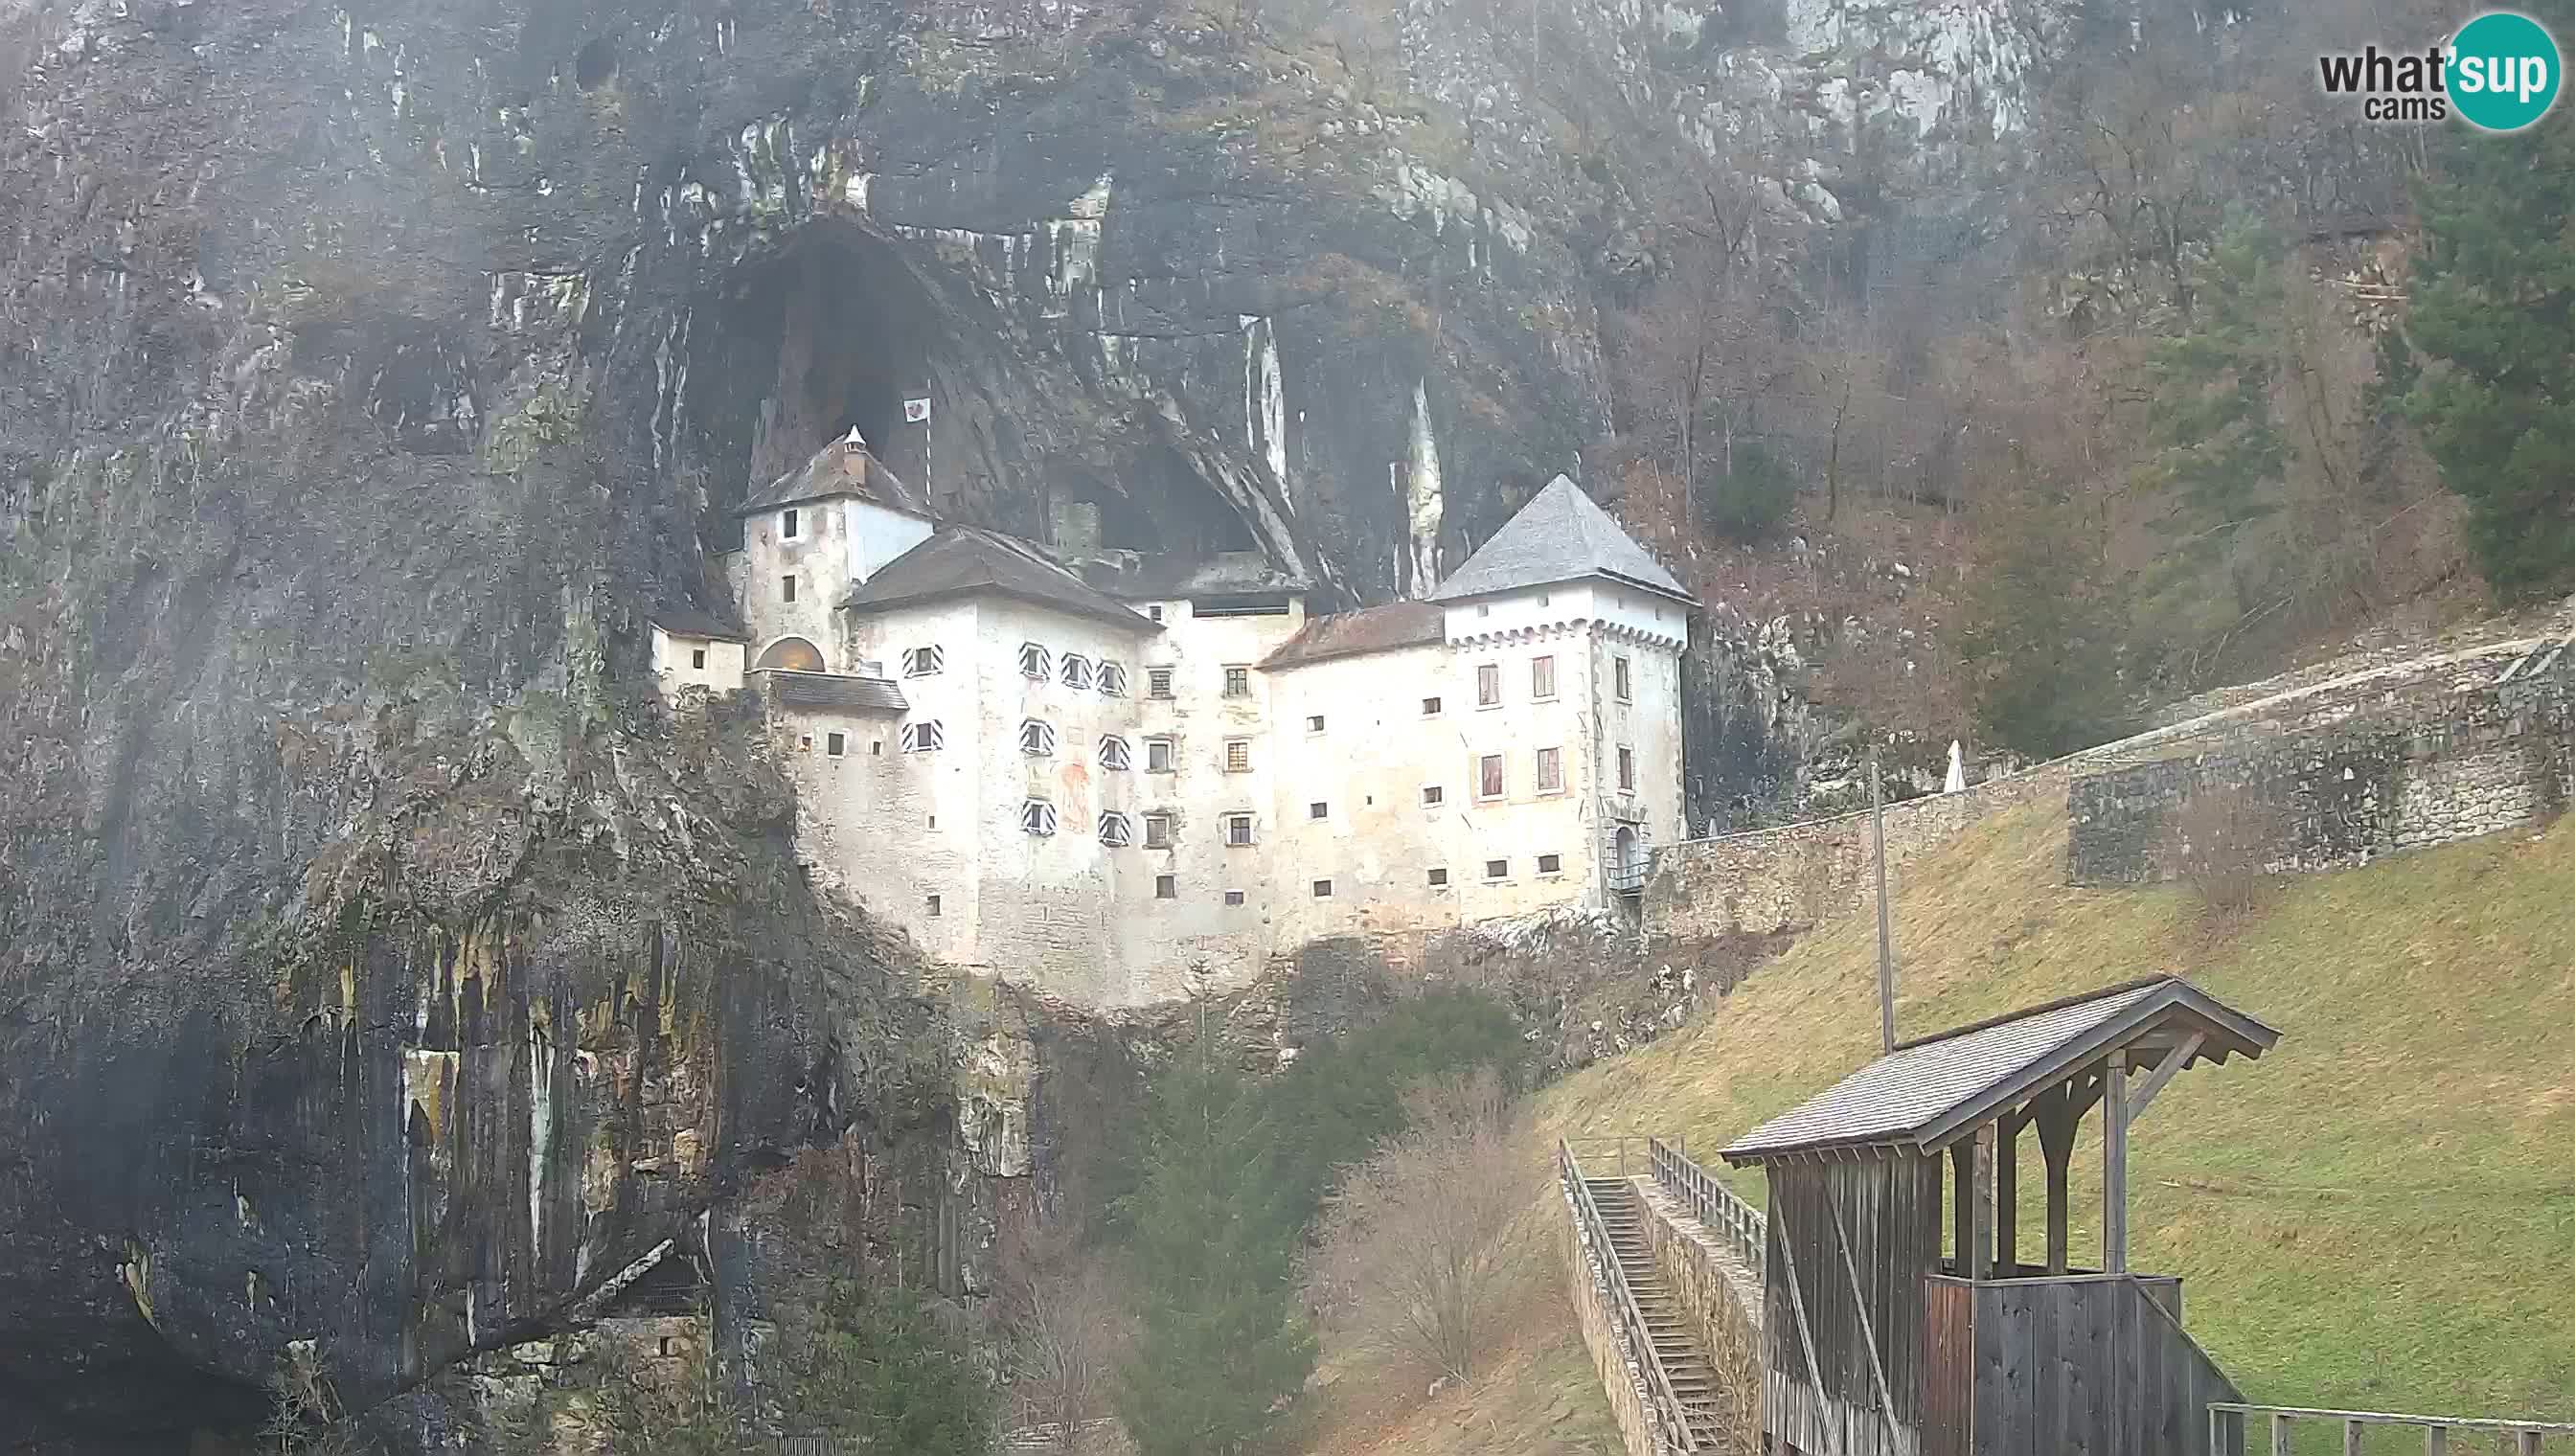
1686 1367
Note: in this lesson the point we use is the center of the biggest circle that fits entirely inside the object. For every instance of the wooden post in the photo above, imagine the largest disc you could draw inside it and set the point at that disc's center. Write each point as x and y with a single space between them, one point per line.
1969 1175
2352 1432
2279 1434
2114 1166
1885 937
2056 1150
2007 1196
2436 1441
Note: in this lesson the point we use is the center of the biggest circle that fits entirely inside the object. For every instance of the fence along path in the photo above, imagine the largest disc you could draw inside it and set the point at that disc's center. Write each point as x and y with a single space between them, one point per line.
1737 1230
2229 1422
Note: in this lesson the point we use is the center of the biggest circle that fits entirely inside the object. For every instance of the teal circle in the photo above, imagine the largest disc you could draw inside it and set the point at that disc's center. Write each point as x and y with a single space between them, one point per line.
2513 50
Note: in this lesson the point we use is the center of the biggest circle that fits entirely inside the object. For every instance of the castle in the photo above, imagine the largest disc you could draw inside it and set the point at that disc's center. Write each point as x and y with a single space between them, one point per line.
1093 773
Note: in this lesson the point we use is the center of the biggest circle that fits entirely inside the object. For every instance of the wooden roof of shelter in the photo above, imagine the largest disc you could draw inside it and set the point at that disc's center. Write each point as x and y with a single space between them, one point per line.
1932 1091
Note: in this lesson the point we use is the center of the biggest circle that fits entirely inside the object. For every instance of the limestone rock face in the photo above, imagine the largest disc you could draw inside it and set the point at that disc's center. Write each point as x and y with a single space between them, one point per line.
381 968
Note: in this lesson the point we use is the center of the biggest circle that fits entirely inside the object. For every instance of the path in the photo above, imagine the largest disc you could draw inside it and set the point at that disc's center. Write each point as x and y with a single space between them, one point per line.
1692 1379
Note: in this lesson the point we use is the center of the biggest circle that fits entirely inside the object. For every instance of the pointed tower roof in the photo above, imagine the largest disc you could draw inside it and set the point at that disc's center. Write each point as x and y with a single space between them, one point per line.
1561 534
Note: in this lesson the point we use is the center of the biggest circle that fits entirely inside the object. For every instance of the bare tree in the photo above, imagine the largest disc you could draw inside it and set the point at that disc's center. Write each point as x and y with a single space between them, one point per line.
1068 1336
1429 1242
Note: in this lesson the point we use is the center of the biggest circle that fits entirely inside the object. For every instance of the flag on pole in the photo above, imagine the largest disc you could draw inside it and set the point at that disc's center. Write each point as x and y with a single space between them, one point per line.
915 411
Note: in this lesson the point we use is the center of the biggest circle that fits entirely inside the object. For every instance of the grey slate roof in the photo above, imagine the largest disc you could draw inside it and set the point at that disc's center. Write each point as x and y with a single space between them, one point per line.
1152 576
845 467
963 559
1561 534
1347 634
836 691
1923 1092
690 621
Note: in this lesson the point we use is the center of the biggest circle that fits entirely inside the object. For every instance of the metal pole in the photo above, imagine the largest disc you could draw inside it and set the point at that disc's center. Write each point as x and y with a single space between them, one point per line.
1885 941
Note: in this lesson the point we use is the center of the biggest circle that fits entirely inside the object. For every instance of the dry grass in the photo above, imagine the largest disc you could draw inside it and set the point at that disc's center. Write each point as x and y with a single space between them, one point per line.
2380 1213
1539 1395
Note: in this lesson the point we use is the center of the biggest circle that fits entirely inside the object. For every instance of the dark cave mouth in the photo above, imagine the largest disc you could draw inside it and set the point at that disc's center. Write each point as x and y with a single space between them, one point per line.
841 328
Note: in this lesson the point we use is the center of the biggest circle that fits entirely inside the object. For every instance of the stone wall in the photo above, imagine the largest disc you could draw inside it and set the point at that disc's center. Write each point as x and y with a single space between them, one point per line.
1765 881
1720 1295
1621 1376
2424 764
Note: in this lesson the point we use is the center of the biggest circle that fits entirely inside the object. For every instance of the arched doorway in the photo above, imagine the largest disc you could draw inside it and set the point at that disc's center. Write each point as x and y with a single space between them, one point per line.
793 654
1624 852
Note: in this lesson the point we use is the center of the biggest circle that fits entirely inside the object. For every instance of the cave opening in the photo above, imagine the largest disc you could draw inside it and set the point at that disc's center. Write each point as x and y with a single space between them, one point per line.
842 328
832 333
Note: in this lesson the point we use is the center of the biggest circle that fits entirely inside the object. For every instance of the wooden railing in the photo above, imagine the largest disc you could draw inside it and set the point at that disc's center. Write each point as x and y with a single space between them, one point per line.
1668 1412
2229 1421
1711 1202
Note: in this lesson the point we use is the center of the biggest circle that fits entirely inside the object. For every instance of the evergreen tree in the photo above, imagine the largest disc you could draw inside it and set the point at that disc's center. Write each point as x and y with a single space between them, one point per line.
2039 629
879 1367
2495 299
2221 458
1212 1229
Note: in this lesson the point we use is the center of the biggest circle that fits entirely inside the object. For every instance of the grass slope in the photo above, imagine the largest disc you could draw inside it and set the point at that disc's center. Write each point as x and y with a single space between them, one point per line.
1538 1395
2380 1213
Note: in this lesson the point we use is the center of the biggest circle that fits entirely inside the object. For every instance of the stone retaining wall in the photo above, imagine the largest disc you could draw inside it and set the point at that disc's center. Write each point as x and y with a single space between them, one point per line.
1721 1297
2416 767
1621 1376
1765 882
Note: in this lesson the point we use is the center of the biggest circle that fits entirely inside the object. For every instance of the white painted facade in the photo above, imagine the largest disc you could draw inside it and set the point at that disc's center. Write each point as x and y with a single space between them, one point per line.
1265 799
684 659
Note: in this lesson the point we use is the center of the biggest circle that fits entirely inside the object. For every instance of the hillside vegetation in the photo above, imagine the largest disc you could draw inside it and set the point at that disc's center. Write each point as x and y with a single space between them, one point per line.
2379 1213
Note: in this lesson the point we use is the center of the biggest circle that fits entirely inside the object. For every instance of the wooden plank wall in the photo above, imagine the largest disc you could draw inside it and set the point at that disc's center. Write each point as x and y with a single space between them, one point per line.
1948 1366
1860 1237
2085 1367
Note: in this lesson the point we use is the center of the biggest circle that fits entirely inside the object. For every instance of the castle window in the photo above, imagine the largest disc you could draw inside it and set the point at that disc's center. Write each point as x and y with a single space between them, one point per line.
1497 869
835 745
1157 682
1160 756
1431 794
1158 831
805 743
1488 685
1323 889
789 525
1618 671
1430 708
697 657
1438 879
1542 677
1550 771
1317 809
1113 754
1038 817
932 908
1115 832
877 746
1036 737
1237 756
1314 723
1036 662
923 661
787 588
925 737
1238 681
1113 679
1167 886
1233 896
1155 611
1489 776
1237 830
1077 670
1550 865
1626 771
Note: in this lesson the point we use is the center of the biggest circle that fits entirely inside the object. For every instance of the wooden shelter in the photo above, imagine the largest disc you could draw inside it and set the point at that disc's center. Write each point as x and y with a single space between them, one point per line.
1880 1344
